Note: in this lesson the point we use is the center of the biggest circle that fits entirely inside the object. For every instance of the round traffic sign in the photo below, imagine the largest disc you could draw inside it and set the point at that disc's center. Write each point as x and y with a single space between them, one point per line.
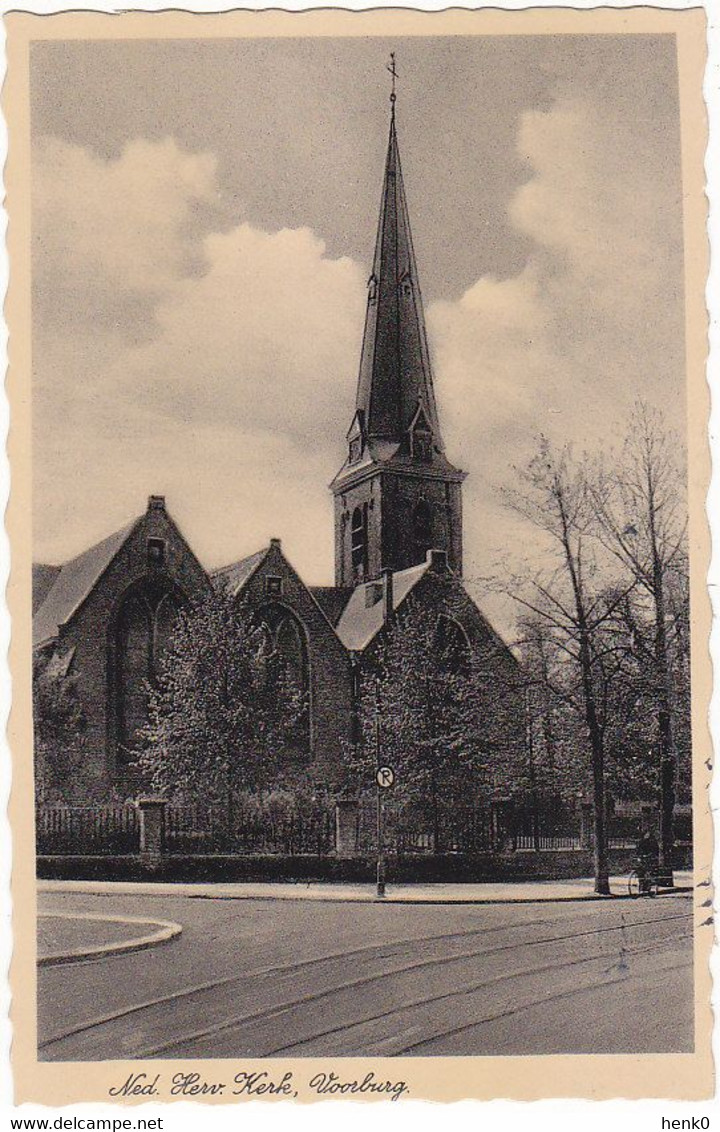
385 777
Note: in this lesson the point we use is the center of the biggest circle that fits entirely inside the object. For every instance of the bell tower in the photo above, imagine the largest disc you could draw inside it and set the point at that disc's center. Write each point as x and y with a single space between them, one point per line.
397 496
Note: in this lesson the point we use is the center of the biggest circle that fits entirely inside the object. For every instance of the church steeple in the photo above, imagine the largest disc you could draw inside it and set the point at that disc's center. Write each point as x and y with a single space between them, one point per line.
397 496
395 374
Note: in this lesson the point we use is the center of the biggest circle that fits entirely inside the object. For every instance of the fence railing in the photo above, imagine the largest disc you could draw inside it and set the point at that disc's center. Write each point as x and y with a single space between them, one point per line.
87 830
208 829
114 830
547 842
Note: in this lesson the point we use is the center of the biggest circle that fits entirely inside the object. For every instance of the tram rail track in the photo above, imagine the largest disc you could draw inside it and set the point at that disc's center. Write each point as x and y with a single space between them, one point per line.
369 953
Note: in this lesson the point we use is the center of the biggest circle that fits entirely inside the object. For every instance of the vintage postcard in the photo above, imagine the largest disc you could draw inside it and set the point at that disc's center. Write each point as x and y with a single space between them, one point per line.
360 631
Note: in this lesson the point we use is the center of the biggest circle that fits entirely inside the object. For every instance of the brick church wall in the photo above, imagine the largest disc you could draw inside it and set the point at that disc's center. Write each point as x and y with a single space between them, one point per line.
91 629
330 682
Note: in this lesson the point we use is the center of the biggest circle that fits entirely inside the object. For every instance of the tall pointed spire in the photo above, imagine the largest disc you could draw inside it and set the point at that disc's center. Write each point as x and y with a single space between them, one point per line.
395 374
396 496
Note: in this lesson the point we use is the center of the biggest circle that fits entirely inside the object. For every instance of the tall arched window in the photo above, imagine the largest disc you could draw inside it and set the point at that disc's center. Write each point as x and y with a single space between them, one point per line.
422 527
143 628
358 540
165 618
291 647
285 636
134 661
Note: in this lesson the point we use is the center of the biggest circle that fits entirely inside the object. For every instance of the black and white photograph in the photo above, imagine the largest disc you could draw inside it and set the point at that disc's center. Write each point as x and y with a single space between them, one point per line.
367 662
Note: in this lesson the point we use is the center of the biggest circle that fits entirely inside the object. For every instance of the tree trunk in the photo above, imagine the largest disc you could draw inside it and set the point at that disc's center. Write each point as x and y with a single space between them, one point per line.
435 814
531 773
595 735
597 748
664 715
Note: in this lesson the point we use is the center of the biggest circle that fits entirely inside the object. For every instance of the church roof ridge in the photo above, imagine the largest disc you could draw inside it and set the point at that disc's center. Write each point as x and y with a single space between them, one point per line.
74 581
238 573
359 623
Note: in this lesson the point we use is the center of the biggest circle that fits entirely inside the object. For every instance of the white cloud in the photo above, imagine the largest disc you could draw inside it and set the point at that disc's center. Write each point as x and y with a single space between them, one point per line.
127 219
235 400
219 366
267 338
590 323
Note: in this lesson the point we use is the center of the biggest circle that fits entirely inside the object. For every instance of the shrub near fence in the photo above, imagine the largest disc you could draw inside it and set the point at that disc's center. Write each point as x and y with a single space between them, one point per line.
111 830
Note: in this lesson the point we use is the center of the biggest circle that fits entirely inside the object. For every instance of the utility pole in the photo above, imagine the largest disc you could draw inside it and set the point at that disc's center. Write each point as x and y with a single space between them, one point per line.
380 814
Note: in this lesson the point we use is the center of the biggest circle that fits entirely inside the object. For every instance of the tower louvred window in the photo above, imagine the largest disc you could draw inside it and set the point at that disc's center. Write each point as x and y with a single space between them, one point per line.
358 539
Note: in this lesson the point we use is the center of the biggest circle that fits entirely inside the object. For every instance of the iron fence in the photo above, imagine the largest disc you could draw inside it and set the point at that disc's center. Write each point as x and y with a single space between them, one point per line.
87 830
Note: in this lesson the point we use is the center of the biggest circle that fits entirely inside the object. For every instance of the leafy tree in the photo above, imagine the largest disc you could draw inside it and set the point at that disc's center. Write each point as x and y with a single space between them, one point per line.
442 709
59 729
223 710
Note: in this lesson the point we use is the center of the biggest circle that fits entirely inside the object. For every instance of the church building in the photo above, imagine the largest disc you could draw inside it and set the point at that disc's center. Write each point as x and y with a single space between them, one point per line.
103 617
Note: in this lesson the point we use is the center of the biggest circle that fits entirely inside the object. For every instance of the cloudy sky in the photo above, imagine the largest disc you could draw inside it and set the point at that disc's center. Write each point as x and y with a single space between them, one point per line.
204 218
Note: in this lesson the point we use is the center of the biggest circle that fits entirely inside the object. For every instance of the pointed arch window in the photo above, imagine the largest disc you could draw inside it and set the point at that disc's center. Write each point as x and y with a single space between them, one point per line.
143 628
286 639
421 436
134 667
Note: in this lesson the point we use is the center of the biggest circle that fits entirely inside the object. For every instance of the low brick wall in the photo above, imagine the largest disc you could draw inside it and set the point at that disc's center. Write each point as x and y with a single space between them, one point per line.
518 866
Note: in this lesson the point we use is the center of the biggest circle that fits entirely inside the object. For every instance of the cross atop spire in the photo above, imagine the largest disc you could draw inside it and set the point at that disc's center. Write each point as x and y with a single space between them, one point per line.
393 71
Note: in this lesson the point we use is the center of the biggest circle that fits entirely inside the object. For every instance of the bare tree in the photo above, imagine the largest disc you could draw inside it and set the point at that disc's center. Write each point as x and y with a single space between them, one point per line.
569 599
640 518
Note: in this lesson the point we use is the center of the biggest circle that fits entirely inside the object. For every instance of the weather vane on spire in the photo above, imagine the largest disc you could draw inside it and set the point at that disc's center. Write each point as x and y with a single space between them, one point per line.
393 71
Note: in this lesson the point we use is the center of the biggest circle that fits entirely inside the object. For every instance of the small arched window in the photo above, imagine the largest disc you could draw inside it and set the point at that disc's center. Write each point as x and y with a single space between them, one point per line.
422 527
358 540
453 646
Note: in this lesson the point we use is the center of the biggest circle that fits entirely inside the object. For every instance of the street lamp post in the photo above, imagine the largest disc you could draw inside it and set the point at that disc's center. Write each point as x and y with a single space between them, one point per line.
384 779
380 845
380 867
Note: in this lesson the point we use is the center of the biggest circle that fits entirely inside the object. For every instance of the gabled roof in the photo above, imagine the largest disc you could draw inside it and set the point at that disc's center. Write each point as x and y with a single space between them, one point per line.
360 622
72 584
43 577
332 600
238 573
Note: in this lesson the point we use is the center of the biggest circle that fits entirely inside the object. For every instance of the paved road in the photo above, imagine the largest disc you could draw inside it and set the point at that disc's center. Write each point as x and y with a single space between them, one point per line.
265 978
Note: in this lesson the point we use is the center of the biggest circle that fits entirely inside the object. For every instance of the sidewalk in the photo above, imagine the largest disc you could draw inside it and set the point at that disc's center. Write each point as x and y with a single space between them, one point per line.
519 892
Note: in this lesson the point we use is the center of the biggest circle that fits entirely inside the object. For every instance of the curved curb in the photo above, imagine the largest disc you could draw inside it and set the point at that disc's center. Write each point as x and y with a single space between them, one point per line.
166 931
